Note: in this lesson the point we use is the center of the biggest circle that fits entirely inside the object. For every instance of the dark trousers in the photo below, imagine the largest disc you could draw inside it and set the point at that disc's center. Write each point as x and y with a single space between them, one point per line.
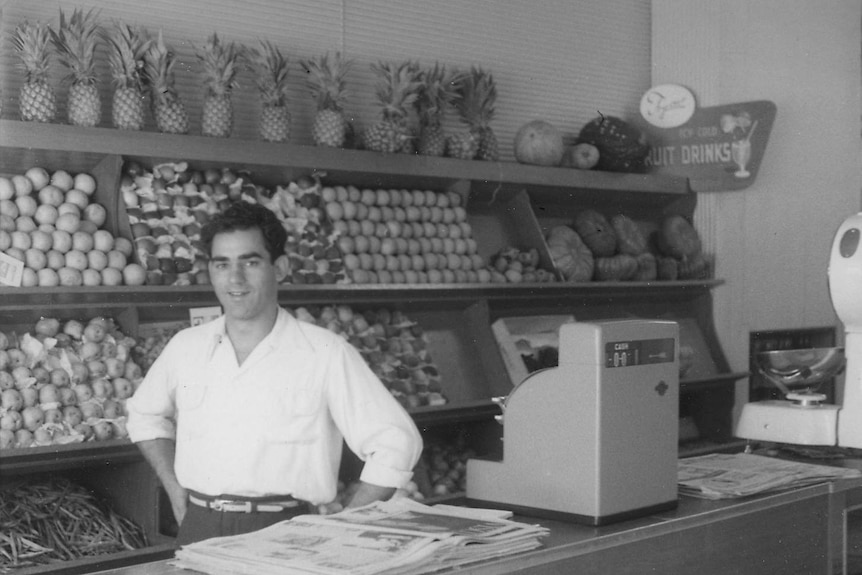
201 523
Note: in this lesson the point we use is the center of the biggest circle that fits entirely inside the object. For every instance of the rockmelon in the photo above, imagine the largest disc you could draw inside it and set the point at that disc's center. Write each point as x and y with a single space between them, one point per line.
539 143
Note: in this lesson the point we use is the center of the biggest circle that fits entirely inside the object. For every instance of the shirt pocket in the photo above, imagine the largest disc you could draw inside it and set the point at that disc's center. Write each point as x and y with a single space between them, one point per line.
297 416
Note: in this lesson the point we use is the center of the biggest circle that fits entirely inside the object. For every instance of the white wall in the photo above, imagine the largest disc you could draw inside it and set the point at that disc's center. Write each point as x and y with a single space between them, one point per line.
772 240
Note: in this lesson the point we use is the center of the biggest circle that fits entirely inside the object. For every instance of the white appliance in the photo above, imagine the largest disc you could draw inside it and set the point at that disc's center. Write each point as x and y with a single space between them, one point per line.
802 417
593 440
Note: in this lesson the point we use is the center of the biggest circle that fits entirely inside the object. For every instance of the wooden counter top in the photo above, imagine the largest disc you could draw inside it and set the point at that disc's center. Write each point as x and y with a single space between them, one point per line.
794 531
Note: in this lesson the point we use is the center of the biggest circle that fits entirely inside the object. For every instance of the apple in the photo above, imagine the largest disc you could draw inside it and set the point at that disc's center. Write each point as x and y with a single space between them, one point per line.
47 326
123 388
29 278
67 208
5 240
123 245
36 260
62 180
77 198
23 186
76 260
7 222
584 156
103 431
91 277
72 415
97 260
51 195
10 422
38 177
70 277
7 188
112 276
33 417
6 379
60 377
85 182
27 205
68 222
96 213
103 240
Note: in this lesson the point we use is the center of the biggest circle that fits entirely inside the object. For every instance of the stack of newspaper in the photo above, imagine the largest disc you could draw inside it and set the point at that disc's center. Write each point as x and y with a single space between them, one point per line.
397 536
725 475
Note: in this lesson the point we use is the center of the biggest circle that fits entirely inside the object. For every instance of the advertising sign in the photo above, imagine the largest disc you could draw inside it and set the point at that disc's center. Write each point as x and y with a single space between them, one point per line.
719 148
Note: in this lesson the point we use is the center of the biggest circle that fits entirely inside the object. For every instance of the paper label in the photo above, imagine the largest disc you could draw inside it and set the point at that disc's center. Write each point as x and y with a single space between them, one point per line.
11 271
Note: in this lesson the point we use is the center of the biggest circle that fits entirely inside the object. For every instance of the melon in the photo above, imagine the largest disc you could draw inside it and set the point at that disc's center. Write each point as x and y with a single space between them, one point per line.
539 143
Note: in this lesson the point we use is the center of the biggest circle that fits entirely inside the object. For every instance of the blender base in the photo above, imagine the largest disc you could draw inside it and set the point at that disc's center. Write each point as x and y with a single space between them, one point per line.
782 421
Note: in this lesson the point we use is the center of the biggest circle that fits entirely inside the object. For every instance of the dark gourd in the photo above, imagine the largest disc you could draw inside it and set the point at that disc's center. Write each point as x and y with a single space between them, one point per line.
622 146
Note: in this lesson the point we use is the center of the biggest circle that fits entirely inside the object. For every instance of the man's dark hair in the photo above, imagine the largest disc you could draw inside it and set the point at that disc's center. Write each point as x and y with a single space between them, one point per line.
247 216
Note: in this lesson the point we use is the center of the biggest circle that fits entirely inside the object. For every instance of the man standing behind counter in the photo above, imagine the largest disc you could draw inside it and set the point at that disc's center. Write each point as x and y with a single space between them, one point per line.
243 418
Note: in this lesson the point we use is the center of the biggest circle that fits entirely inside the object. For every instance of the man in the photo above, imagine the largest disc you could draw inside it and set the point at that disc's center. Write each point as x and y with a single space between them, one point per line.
243 418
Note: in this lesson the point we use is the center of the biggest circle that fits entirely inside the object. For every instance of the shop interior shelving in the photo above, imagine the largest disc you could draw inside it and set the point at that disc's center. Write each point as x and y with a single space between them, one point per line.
458 315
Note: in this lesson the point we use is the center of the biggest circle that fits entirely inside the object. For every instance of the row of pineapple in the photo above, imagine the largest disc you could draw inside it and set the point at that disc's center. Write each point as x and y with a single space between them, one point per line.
139 63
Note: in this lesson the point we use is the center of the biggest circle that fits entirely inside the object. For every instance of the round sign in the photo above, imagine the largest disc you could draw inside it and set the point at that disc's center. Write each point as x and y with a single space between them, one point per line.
667 106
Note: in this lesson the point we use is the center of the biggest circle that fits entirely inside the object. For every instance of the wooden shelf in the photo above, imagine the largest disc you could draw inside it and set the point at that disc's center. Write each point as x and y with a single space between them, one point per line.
28 298
32 143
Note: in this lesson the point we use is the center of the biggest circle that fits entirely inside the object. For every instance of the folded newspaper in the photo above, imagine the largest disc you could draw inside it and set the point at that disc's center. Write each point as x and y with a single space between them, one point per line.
399 536
731 475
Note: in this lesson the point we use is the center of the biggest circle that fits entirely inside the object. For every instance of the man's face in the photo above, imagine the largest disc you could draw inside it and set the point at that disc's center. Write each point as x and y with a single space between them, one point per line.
243 277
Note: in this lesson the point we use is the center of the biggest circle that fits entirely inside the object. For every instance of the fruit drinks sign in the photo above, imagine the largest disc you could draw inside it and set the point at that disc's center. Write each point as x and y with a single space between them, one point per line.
719 148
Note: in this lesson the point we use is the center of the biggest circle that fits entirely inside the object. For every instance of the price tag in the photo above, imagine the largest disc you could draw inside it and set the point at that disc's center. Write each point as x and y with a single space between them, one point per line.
202 315
11 271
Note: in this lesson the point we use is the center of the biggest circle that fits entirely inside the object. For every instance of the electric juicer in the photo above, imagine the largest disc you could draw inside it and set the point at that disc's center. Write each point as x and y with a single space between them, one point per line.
802 417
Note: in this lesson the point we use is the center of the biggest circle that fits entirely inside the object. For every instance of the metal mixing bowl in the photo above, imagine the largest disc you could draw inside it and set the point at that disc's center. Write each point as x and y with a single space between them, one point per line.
797 368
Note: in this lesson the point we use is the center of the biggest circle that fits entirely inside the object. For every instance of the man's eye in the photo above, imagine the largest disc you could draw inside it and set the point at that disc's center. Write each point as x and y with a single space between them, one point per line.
252 263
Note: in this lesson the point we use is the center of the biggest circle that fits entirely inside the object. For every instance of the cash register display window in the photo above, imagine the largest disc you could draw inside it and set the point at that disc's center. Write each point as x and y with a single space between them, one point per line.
639 352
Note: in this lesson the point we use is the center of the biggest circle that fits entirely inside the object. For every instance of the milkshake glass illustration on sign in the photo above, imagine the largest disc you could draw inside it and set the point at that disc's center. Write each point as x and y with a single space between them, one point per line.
741 128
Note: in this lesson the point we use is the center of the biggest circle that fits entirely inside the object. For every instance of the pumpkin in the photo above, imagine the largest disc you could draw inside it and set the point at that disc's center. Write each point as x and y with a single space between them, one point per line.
647 267
570 255
678 238
616 268
630 238
596 232
622 146
540 143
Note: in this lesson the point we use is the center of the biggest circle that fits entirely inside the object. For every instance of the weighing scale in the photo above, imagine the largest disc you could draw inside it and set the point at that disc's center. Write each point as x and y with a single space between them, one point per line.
802 417
593 440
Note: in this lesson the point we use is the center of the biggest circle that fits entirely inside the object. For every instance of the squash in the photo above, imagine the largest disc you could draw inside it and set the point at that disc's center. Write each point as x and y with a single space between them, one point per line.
678 238
647 267
620 267
570 255
696 267
668 268
630 238
596 232
540 143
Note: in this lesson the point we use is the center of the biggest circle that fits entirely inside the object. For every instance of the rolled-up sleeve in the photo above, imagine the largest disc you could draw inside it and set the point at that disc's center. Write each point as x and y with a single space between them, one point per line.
375 426
151 411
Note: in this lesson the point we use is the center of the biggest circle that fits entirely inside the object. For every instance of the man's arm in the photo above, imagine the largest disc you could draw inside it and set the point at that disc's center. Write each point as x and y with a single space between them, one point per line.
368 493
160 453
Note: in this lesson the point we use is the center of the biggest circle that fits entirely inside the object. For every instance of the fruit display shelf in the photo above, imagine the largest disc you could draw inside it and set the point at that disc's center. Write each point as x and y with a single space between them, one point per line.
30 143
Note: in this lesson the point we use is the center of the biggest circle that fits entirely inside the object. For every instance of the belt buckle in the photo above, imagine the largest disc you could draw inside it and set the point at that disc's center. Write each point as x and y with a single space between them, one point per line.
219 504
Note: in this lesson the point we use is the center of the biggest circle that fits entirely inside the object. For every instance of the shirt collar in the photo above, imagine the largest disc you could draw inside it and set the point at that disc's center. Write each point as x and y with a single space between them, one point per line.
287 331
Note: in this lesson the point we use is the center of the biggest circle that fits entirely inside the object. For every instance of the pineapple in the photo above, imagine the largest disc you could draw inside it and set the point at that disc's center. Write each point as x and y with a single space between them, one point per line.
397 90
327 84
126 58
435 96
220 64
477 94
271 67
75 42
38 102
168 108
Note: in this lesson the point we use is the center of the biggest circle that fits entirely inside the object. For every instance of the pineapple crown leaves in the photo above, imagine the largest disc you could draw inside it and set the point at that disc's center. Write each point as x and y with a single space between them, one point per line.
76 40
220 62
32 41
327 81
398 88
271 69
477 95
437 92
159 62
128 45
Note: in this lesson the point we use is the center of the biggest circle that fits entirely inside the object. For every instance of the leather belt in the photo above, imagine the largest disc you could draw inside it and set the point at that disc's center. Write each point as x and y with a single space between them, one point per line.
245 506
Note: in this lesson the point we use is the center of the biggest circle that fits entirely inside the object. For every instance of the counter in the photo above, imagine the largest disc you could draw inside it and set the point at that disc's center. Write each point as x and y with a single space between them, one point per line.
798 531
